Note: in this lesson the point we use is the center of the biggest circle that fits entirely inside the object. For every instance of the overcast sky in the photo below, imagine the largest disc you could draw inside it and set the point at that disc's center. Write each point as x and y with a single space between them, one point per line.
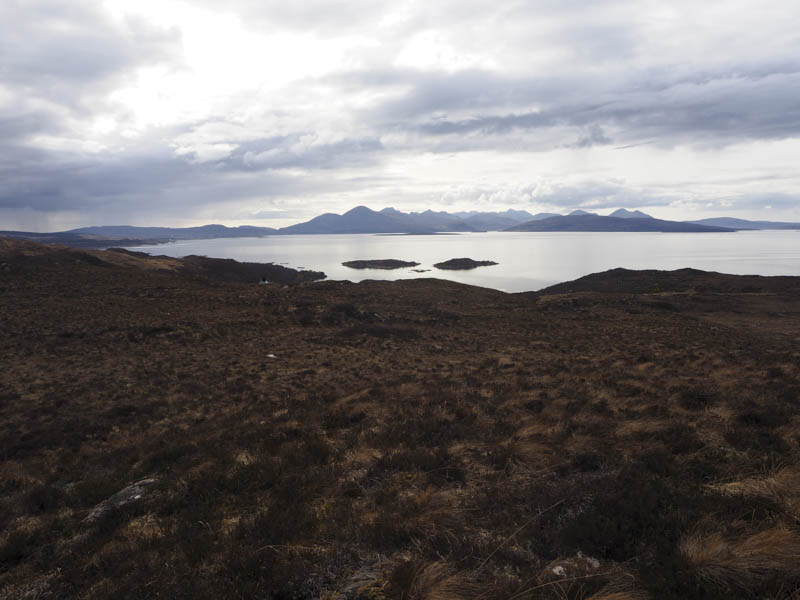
159 112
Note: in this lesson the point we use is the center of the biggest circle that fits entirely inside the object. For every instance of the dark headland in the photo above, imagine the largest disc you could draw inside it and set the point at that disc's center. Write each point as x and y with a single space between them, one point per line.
167 433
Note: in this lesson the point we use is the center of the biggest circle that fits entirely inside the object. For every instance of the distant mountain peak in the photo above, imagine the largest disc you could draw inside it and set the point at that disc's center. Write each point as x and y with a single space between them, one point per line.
519 215
359 210
578 212
622 213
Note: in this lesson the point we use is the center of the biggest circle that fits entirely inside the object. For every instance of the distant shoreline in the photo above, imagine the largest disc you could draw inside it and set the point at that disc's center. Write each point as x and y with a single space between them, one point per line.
103 243
390 222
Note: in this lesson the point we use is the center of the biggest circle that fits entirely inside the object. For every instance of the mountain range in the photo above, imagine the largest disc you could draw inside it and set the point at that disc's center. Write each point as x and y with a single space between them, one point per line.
392 221
128 235
389 220
177 233
592 222
745 224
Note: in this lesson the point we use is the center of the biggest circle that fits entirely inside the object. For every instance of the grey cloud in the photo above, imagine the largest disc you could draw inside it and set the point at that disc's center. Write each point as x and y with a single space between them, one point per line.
291 152
601 195
14 126
69 53
53 181
757 96
331 17
597 194
490 125
272 214
74 41
776 201
446 92
148 182
713 110
336 16
594 137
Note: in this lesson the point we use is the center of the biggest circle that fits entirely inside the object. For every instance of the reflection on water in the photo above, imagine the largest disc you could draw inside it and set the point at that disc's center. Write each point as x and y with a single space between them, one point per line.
527 261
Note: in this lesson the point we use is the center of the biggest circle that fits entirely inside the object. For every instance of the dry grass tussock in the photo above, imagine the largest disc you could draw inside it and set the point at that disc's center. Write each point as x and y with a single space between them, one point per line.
744 562
782 486
438 581
582 578
618 595
574 588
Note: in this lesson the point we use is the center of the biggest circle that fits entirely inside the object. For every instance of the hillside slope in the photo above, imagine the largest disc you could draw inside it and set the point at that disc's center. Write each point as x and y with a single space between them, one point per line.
164 435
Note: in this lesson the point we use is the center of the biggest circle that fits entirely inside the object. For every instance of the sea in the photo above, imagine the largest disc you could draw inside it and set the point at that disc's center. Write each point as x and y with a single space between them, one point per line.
527 261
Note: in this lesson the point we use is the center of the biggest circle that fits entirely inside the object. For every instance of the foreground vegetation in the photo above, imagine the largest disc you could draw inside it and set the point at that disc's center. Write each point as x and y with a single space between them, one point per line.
628 435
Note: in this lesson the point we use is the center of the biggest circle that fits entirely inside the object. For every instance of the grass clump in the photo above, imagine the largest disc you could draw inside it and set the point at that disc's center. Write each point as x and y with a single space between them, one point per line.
748 563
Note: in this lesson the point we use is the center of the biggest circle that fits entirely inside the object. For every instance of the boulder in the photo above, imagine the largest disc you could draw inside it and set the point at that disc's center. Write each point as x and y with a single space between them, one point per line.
126 495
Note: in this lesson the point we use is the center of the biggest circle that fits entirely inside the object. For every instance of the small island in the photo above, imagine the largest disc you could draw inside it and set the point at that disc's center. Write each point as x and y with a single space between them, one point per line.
388 264
463 264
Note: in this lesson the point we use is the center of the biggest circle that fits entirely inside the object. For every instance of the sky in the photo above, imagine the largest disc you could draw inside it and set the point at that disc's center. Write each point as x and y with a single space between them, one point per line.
268 112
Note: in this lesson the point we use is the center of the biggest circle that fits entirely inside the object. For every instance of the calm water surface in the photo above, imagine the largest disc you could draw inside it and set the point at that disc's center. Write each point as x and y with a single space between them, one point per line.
527 261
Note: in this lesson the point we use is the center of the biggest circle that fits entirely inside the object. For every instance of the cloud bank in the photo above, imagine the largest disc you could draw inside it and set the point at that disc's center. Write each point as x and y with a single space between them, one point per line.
187 112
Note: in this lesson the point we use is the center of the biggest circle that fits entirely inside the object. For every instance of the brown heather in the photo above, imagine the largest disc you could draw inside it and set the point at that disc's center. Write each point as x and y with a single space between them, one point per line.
626 436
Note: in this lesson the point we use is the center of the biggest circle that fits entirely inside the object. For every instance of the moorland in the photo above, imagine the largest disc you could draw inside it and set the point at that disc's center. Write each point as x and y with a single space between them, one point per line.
171 429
